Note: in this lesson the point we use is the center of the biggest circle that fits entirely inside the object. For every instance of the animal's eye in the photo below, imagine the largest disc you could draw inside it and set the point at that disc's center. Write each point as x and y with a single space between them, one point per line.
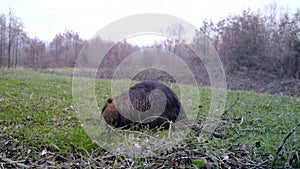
110 100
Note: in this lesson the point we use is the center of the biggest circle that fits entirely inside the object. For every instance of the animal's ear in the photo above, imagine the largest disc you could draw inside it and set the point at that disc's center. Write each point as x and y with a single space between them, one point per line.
110 100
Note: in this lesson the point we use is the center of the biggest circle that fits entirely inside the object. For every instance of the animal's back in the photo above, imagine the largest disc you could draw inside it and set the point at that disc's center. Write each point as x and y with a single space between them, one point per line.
139 95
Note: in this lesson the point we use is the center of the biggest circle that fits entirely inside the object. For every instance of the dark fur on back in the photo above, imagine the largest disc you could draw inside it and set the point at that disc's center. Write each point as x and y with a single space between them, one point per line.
139 97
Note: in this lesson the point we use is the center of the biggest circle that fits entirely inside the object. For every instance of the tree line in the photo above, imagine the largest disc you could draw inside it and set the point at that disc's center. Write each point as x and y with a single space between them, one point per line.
254 41
17 49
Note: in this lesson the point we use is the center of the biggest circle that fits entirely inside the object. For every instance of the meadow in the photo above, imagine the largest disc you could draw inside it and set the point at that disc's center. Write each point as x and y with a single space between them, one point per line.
39 128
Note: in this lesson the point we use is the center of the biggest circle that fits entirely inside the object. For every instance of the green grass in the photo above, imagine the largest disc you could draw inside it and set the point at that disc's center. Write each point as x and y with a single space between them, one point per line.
38 110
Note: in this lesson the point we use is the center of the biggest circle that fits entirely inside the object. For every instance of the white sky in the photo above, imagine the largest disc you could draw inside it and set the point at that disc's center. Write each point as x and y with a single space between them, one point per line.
46 18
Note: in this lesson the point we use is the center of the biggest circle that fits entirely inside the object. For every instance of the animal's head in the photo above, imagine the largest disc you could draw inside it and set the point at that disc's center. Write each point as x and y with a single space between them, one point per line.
110 112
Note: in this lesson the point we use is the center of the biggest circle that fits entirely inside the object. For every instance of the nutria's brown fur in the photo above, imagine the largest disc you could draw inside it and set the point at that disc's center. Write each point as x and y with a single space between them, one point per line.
139 99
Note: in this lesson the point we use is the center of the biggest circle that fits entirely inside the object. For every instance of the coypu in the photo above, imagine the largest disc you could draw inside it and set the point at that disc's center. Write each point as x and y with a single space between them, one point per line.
142 105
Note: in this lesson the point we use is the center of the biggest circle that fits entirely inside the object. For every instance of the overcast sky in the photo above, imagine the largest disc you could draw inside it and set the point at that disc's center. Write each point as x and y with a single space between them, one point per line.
46 18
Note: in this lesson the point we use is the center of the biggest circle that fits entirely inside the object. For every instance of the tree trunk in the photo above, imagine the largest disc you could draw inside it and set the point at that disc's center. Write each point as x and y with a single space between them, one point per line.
16 54
9 54
1 53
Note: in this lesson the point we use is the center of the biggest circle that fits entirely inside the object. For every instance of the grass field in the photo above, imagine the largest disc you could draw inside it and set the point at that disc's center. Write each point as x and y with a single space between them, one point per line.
39 128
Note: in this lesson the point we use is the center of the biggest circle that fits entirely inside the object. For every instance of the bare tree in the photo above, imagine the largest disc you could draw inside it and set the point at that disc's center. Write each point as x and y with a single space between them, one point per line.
288 43
35 53
176 33
15 29
3 38
65 48
239 39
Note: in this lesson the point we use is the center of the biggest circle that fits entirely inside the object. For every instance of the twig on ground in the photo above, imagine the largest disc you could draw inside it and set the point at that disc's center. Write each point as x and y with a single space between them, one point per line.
231 106
242 120
17 163
260 164
283 143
